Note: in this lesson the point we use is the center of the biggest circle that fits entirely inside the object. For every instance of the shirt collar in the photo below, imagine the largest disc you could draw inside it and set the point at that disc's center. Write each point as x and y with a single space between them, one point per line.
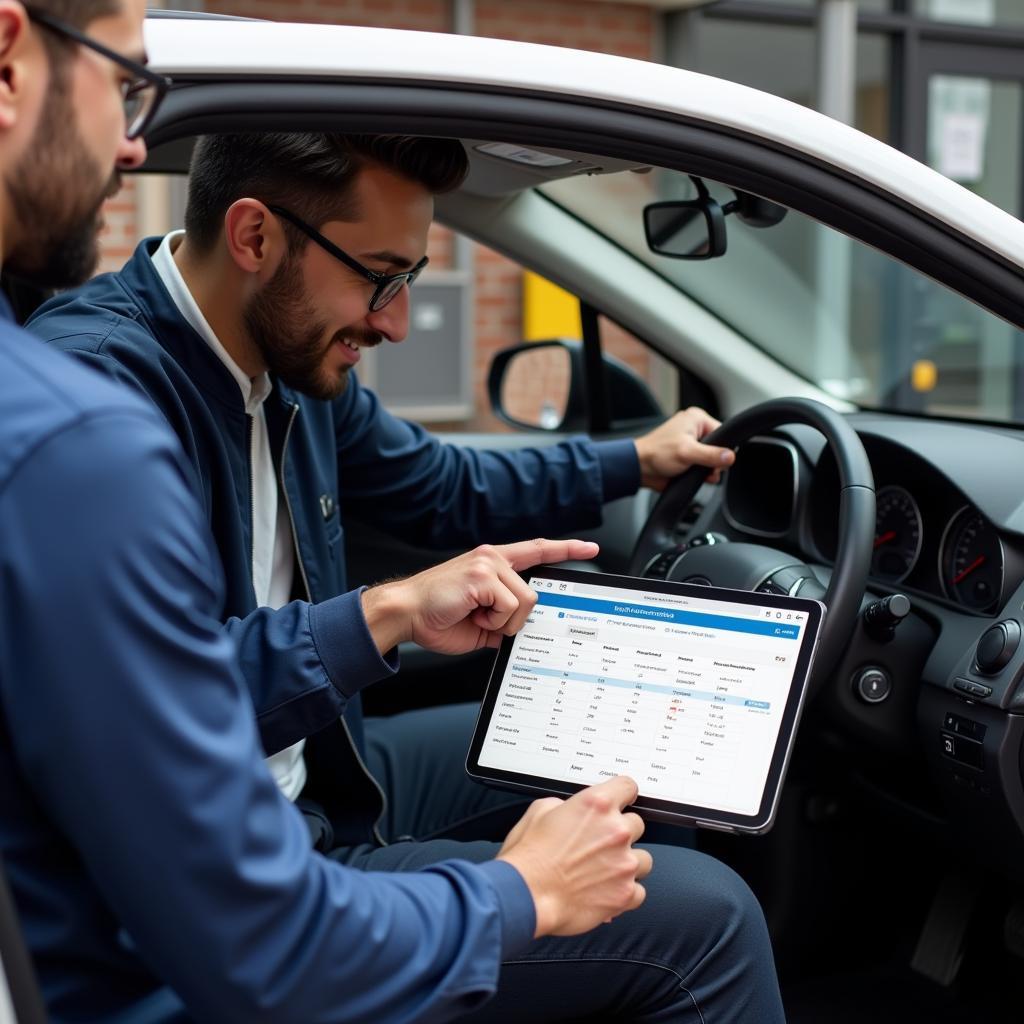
254 389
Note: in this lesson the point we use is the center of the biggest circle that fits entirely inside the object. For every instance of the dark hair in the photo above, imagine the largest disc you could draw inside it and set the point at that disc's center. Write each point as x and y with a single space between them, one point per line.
77 13
309 173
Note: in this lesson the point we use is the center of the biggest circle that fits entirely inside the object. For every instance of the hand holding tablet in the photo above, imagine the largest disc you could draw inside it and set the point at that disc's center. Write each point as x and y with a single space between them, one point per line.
693 691
577 858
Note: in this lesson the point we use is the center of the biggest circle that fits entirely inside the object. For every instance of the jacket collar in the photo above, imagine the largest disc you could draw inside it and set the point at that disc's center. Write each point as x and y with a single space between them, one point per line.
177 337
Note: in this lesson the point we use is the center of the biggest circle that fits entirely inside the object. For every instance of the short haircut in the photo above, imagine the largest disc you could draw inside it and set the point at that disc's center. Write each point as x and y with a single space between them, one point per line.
312 174
78 13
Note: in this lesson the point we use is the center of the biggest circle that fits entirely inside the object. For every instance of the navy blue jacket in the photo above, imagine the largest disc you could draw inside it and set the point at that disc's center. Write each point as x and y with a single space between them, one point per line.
335 459
145 841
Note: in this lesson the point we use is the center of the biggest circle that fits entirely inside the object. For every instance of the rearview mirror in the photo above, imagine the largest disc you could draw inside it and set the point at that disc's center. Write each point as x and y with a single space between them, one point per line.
694 229
686 229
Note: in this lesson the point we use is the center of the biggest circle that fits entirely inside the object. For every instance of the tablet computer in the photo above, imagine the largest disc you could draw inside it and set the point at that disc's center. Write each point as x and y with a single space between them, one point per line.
693 691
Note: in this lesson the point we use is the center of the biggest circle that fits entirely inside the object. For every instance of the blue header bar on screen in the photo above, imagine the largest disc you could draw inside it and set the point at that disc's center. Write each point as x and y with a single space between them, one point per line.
671 615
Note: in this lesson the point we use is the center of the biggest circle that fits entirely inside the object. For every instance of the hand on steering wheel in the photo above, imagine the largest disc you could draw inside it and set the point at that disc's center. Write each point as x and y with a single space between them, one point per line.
746 566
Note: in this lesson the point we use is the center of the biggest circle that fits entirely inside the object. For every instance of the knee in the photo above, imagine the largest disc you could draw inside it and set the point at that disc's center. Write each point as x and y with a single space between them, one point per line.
700 886
738 908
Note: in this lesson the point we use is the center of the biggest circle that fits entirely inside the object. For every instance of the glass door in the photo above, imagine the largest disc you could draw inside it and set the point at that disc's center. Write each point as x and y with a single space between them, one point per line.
966 120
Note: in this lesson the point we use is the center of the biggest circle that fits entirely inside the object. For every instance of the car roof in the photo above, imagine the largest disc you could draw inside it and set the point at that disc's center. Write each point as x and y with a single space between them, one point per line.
225 49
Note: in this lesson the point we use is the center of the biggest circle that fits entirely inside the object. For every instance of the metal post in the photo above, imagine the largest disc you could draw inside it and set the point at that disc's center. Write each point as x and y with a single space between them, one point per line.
463 254
837 59
837 93
679 43
463 24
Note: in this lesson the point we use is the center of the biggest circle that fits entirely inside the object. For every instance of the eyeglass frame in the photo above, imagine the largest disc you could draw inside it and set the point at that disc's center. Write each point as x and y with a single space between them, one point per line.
159 83
382 281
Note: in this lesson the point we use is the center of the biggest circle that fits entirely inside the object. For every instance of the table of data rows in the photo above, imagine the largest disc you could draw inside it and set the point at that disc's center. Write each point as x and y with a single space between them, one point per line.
585 698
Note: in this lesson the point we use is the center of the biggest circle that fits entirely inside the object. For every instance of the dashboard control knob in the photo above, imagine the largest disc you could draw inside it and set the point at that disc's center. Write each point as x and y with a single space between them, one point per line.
872 684
998 644
883 616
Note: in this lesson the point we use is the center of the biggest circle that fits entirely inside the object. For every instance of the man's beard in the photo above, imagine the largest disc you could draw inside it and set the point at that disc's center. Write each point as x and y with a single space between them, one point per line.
57 192
281 322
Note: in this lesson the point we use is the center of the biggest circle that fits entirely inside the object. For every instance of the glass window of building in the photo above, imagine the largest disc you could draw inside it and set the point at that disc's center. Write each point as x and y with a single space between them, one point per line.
972 12
781 59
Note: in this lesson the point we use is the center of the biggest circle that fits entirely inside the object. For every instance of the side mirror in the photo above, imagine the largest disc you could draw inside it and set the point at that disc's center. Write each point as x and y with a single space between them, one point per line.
690 229
532 386
540 385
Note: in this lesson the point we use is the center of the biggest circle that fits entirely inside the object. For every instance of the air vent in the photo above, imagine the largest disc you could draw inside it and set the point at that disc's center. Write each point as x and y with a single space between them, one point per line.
761 488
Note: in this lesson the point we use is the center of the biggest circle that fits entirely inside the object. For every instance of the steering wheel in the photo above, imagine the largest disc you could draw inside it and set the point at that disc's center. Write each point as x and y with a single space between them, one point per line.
756 567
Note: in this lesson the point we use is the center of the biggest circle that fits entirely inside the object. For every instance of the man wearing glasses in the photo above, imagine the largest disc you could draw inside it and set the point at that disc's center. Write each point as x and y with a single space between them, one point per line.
244 330
145 842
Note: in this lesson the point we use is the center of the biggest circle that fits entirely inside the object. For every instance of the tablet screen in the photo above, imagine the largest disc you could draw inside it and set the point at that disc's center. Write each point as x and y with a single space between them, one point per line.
680 687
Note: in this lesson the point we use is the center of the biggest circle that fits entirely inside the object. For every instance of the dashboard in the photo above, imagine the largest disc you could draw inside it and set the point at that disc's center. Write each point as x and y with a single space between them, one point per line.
936 535
930 718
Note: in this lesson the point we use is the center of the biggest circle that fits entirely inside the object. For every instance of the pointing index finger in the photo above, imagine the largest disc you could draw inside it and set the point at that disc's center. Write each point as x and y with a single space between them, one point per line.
528 553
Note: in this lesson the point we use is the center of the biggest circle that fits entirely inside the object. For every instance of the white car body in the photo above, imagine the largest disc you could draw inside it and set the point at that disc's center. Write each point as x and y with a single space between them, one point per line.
312 51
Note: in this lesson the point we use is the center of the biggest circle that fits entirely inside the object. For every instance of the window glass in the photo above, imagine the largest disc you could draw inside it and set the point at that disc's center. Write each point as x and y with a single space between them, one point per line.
775 58
657 373
510 305
874 93
975 135
972 12
864 5
852 320
780 59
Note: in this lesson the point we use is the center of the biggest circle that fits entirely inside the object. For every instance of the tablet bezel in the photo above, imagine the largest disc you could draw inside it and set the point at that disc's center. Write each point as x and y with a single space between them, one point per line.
648 807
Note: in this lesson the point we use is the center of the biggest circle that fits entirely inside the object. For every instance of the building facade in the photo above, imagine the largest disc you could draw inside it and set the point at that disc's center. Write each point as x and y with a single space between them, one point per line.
942 80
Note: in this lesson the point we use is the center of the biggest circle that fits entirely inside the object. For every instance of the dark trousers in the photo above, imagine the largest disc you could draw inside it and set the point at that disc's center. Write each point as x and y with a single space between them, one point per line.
696 950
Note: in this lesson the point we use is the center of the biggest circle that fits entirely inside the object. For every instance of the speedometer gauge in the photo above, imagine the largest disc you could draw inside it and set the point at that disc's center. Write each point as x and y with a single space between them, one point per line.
897 534
972 561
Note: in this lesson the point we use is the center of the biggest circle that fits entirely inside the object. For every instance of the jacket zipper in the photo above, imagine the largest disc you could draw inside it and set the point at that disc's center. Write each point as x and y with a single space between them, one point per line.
309 597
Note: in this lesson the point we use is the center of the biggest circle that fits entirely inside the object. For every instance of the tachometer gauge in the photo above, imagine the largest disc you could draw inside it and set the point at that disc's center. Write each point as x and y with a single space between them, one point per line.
972 561
897 534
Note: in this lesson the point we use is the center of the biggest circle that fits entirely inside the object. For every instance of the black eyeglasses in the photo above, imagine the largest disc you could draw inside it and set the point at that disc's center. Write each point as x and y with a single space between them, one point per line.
141 96
388 285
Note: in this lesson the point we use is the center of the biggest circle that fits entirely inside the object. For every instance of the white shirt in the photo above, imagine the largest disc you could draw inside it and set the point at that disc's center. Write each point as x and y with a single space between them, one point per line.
273 557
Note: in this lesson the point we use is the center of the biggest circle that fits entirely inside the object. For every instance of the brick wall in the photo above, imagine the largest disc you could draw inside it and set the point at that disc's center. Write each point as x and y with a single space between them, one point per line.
424 15
624 29
120 230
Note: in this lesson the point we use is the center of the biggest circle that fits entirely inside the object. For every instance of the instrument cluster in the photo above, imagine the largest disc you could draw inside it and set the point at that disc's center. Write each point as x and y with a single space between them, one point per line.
927 536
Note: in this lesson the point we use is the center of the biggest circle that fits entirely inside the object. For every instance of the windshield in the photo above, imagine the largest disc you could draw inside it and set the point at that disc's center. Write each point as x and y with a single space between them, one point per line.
850 319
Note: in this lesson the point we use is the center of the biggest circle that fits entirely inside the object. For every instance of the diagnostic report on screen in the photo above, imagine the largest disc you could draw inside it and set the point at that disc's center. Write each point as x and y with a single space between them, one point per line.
683 694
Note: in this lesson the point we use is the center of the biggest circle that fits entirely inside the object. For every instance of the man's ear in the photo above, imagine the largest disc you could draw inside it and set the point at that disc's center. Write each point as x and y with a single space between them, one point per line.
14 56
254 237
